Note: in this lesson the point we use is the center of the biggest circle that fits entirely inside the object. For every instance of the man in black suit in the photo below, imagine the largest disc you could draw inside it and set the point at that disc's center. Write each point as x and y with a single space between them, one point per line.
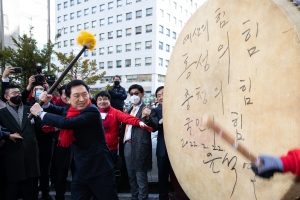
20 157
81 125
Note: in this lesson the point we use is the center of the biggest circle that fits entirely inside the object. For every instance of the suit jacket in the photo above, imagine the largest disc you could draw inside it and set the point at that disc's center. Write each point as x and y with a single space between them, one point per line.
91 153
161 150
141 143
21 158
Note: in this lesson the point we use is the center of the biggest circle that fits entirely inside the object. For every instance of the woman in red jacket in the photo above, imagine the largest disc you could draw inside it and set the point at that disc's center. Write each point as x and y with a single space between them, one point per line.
111 119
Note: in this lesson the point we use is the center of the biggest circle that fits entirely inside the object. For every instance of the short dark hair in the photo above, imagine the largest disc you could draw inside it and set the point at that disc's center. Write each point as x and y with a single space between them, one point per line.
10 87
117 76
61 89
103 94
73 84
136 86
157 90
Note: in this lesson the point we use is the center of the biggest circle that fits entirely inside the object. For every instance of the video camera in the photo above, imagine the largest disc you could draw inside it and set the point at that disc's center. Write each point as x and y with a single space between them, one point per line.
40 79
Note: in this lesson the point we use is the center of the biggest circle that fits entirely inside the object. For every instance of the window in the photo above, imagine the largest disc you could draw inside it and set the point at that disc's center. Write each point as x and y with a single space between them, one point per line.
161 29
138 1
110 50
101 36
128 31
174 20
128 16
110 5
109 64
138 30
78 1
72 42
94 52
169 17
71 29
148 44
78 27
167 48
72 3
58 6
58 19
174 35
58 30
101 7
180 9
66 30
101 51
139 78
148 61
72 15
110 35
119 18
168 32
65 17
137 62
119 33
132 78
119 48
110 20
161 45
167 63
94 9
162 13
78 13
119 63
180 22
128 2
86 53
101 22
128 47
119 3
128 63
161 78
148 28
86 12
65 4
186 12
65 43
86 25
148 12
138 14
160 61
191 2
175 5
59 45
94 24
138 46
101 65
66 54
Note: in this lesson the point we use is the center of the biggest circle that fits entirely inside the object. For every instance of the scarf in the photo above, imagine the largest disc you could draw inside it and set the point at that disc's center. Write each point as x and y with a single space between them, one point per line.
17 115
66 136
105 121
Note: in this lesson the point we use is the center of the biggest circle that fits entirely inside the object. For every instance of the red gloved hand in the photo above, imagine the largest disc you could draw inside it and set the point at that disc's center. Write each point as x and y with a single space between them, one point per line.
145 127
48 129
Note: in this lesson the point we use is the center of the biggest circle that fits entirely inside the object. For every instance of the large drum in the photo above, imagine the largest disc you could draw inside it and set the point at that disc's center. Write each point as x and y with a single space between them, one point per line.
239 62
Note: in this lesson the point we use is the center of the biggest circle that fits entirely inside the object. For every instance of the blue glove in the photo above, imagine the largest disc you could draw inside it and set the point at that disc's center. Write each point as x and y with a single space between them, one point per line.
270 165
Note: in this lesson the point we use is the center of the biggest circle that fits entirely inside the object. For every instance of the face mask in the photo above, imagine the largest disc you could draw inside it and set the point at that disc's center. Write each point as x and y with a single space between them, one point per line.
117 83
135 99
16 100
38 93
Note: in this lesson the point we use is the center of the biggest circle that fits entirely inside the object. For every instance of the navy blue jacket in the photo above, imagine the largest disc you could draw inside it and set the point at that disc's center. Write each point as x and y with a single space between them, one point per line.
118 95
91 153
161 150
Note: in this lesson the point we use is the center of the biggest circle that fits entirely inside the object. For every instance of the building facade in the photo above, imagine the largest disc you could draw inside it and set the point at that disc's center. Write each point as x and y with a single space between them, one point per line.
135 38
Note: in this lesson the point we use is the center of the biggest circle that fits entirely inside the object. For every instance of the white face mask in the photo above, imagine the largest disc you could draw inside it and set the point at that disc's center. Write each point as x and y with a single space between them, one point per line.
135 99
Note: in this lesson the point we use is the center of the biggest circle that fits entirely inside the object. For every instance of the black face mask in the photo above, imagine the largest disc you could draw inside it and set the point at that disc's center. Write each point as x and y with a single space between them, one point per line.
16 100
117 83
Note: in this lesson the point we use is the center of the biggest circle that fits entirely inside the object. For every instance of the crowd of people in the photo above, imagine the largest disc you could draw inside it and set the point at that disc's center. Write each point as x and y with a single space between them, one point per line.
75 131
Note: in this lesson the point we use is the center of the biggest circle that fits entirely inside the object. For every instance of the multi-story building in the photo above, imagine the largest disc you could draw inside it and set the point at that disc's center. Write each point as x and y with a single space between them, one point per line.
135 38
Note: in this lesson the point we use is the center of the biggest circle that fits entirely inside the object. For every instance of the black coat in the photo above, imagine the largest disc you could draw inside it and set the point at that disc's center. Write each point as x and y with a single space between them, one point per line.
118 95
22 157
91 153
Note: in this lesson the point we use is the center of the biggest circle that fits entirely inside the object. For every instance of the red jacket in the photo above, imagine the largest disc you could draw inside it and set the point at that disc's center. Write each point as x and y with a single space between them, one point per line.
111 125
291 162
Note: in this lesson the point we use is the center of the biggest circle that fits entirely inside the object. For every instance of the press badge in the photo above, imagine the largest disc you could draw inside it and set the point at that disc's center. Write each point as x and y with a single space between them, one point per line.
103 115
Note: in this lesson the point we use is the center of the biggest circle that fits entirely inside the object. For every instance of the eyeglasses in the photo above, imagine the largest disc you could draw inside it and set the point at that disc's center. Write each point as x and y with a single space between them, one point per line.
136 93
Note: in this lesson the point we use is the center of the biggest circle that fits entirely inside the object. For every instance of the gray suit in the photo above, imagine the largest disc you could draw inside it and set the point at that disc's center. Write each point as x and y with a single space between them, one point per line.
138 155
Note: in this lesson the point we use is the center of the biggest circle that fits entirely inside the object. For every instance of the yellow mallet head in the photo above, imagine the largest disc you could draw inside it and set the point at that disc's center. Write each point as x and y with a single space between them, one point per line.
87 39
